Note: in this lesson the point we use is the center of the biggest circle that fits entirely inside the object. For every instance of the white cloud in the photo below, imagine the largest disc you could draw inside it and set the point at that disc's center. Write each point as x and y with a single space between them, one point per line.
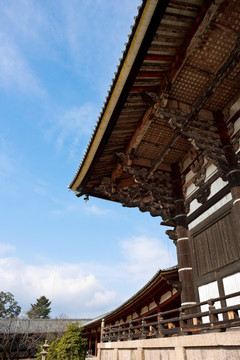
72 128
94 210
68 209
84 289
145 256
80 208
6 249
70 288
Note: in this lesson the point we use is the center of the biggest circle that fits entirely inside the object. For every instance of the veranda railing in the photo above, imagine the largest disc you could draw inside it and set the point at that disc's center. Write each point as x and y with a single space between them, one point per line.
187 320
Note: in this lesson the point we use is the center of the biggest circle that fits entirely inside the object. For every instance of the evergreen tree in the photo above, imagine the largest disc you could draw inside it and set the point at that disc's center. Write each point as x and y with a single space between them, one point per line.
9 308
71 346
40 310
53 350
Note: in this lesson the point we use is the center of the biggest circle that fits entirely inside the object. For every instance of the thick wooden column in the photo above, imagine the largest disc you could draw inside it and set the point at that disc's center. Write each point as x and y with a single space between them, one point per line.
183 245
233 175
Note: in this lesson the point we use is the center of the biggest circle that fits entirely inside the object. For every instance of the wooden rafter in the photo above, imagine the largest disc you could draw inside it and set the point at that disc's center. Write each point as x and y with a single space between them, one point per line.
135 141
151 74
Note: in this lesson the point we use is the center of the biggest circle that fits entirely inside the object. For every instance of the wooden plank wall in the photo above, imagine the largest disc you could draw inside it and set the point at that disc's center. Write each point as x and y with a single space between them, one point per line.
216 246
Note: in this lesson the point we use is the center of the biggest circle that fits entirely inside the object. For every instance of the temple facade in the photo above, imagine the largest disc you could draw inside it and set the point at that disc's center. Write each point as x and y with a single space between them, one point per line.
167 142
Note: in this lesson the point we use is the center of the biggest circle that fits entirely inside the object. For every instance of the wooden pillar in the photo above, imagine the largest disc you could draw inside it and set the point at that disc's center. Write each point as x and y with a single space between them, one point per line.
89 341
96 344
184 255
102 327
233 175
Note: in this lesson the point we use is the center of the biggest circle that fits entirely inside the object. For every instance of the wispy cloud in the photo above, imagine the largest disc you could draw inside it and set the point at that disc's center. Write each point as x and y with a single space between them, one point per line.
94 210
66 210
88 49
72 128
145 256
15 72
33 27
6 249
80 208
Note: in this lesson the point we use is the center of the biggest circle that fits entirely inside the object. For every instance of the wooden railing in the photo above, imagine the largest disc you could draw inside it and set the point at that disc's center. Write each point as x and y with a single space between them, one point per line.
187 320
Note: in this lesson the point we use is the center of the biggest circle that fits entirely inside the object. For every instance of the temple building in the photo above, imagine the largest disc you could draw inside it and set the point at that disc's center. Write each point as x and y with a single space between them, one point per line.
167 142
158 295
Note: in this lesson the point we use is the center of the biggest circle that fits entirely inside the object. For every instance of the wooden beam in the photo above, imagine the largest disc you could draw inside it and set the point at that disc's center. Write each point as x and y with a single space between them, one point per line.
140 131
151 74
212 201
126 182
135 141
143 162
155 57
234 118
144 88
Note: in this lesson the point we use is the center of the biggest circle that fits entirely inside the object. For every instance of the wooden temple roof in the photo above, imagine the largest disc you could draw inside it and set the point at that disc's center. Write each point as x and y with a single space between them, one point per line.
159 285
180 67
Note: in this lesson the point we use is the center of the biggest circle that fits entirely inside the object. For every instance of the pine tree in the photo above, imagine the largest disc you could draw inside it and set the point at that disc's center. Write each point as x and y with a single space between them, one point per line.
40 310
9 307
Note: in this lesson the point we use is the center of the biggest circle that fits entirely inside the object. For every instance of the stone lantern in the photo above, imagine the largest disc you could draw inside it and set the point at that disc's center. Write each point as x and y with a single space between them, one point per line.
44 350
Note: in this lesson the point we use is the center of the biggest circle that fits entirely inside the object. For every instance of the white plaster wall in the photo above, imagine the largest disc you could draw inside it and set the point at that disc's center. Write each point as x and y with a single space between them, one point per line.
234 108
135 315
231 285
210 171
152 305
165 296
144 310
206 292
174 291
215 187
210 211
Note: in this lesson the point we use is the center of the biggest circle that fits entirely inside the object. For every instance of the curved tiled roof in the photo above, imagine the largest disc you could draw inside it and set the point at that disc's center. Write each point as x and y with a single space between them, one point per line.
40 326
112 85
160 273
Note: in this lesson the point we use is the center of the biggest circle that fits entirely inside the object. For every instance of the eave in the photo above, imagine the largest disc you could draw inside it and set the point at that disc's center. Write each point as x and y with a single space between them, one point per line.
143 31
160 68
158 284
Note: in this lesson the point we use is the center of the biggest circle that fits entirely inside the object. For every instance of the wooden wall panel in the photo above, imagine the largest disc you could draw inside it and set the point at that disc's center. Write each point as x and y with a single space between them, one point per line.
216 246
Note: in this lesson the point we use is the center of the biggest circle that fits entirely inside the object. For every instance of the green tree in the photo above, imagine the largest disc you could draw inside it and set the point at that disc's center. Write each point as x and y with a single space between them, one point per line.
71 346
9 307
53 350
40 310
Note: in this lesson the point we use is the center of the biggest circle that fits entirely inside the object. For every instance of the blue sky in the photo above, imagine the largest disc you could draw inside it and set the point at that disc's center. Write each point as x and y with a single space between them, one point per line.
57 59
